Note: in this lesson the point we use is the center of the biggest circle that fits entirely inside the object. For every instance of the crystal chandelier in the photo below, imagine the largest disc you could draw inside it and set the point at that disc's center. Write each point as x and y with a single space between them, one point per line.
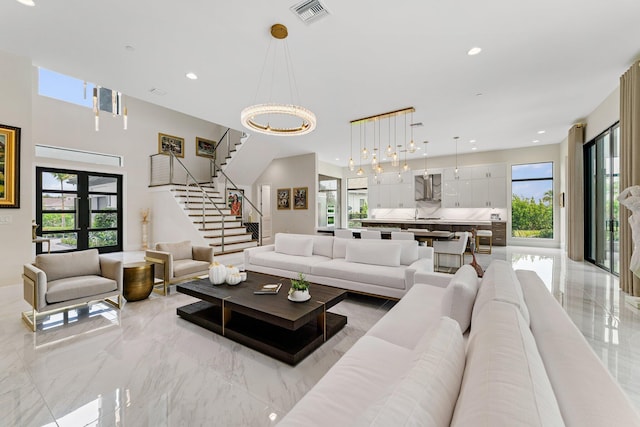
277 118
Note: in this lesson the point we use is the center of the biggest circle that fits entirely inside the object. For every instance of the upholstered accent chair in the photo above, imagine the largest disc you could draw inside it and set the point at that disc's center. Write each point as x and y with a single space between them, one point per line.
178 262
64 280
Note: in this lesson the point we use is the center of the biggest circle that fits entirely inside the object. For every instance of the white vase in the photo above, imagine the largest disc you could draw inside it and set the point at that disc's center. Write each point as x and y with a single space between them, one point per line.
232 270
217 273
233 279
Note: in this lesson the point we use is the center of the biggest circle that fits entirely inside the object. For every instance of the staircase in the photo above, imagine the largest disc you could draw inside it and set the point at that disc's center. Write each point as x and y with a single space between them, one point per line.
206 214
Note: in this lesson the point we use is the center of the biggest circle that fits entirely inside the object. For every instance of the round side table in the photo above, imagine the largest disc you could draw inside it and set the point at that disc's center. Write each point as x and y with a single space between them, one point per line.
137 280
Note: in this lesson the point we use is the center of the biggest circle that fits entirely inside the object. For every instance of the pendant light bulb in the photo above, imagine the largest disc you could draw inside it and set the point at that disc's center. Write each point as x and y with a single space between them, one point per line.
412 147
426 173
365 153
399 176
360 172
405 167
352 165
374 160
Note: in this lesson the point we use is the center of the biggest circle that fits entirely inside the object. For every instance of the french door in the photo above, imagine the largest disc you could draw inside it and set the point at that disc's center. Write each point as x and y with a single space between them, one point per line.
79 210
602 186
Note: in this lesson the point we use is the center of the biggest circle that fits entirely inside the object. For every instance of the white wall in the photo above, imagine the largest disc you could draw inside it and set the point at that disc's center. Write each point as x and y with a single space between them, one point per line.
15 110
52 122
290 172
604 116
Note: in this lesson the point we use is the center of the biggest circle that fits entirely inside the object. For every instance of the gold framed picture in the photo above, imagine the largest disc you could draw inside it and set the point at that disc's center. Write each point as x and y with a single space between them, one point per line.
167 143
300 198
284 198
9 167
205 148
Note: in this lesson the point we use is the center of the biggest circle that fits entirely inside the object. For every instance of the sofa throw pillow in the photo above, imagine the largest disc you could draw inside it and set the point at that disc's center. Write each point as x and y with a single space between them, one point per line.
427 394
373 252
61 266
323 245
293 245
459 296
408 251
179 250
340 247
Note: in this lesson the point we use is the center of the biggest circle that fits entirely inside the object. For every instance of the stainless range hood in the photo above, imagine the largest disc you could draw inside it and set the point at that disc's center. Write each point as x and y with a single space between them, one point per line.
429 188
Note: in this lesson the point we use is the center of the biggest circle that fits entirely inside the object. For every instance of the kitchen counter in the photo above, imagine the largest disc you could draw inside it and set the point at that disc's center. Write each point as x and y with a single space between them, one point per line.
377 222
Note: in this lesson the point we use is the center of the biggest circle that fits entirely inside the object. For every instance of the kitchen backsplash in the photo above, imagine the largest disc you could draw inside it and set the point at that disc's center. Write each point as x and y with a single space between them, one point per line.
480 214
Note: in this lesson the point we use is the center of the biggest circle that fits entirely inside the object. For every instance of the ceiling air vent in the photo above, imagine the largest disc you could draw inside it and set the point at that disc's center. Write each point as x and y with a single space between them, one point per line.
309 10
156 91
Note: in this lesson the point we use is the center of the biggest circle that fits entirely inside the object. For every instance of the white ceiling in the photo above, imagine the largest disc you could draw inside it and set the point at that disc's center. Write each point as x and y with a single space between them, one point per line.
545 64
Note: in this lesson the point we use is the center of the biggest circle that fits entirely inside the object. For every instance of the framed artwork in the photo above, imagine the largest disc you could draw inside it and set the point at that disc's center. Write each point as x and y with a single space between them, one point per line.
9 167
235 201
300 196
172 143
205 148
284 198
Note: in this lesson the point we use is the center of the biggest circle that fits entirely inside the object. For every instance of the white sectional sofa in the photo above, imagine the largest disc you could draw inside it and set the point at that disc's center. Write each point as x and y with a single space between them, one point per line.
460 352
377 267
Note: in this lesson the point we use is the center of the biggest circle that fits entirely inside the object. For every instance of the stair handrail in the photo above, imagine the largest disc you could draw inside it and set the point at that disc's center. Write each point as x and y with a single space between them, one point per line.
219 169
204 194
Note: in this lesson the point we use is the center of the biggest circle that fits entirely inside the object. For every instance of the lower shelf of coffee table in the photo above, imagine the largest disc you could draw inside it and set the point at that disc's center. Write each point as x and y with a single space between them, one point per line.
282 344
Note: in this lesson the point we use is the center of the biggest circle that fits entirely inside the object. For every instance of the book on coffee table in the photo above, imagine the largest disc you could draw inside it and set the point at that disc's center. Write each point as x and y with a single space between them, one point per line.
268 289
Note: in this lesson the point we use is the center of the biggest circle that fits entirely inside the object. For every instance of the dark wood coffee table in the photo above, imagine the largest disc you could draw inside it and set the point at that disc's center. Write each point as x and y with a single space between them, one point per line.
271 324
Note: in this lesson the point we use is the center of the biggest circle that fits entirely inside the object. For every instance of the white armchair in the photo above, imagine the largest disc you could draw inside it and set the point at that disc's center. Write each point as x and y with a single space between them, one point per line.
343 233
451 247
179 262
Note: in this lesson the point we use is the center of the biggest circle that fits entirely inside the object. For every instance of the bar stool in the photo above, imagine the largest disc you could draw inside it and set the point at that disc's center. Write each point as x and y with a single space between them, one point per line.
484 234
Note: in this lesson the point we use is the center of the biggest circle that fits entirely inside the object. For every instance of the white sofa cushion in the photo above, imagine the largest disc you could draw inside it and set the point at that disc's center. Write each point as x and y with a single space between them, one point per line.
294 244
405 324
351 384
297 264
459 296
504 382
427 393
323 246
340 247
178 250
586 393
71 264
373 252
500 283
389 277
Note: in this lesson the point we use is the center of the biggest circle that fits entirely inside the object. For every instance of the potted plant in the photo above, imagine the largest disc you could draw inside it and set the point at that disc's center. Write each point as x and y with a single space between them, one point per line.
299 289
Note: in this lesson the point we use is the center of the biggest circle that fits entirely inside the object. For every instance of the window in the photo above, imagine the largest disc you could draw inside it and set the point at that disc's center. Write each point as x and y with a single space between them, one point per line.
79 210
532 200
65 88
357 208
328 202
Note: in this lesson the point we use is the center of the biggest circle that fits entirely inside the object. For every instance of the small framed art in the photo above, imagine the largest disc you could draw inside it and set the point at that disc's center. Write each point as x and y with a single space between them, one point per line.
167 143
300 196
205 148
9 167
235 201
284 198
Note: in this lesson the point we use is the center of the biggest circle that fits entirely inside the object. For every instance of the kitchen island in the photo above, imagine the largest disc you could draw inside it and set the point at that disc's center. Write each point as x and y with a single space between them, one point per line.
498 227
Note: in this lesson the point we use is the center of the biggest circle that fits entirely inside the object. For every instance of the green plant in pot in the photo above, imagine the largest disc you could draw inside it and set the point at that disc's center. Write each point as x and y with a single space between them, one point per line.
299 290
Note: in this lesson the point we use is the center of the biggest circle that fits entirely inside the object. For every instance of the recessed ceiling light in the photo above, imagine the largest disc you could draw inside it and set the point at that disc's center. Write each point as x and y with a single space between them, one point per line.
540 132
27 2
337 159
536 140
474 148
472 141
474 51
192 76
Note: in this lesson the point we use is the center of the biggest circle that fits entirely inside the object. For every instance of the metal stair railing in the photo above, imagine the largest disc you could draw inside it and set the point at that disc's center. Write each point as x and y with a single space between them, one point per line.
234 186
205 195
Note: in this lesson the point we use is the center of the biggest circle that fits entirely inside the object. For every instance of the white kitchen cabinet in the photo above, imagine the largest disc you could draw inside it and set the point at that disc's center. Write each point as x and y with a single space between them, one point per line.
489 171
390 192
457 194
475 187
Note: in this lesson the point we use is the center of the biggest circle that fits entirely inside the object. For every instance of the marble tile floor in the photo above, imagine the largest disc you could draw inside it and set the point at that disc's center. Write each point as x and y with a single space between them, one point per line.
144 366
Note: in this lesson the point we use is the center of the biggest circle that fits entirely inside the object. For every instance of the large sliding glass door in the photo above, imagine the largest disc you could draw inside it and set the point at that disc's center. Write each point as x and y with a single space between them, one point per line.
602 185
79 210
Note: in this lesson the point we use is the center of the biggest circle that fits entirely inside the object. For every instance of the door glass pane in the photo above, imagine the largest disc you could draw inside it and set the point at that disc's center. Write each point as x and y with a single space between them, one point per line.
63 241
615 215
58 202
591 201
59 181
105 184
103 202
104 220
58 221
103 238
607 208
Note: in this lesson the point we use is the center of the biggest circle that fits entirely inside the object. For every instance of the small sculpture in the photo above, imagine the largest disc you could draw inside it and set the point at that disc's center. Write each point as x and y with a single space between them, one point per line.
630 198
34 227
